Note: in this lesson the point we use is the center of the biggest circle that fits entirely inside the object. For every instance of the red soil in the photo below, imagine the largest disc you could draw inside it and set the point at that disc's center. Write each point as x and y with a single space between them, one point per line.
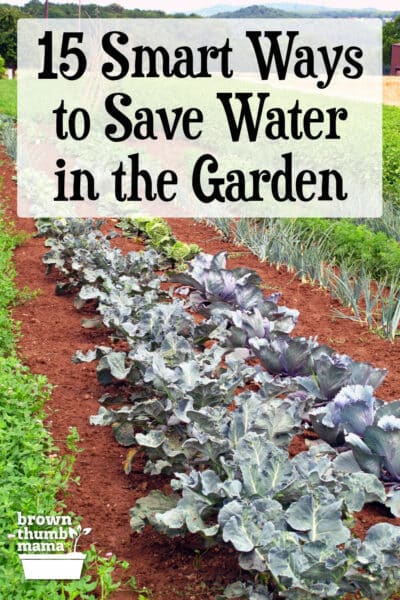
52 332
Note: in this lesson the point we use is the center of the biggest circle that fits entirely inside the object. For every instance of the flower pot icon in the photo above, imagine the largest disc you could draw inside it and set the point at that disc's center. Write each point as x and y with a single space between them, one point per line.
56 566
53 566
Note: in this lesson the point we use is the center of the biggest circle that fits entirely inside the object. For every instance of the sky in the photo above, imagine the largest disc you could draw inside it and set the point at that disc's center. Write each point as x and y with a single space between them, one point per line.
186 5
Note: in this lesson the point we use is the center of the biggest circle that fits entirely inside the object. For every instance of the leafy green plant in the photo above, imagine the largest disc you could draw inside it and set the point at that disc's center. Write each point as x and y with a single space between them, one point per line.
99 575
104 568
158 234
389 223
26 294
355 245
213 284
390 317
283 517
143 593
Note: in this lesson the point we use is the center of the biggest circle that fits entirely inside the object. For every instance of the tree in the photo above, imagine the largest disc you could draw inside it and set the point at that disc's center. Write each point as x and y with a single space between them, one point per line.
2 67
391 35
34 8
8 34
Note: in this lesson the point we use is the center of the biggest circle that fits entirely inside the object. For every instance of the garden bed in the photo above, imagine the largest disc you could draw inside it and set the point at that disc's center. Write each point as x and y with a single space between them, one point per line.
52 332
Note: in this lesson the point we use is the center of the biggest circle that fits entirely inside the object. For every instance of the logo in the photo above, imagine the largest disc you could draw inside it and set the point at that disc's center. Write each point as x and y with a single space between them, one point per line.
42 541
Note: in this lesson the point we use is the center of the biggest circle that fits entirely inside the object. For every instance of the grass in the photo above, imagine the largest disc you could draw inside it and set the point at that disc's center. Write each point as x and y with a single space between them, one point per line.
29 477
32 473
391 152
8 97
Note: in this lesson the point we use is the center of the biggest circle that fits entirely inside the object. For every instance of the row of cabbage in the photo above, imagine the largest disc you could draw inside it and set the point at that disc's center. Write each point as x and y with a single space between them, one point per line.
313 253
179 401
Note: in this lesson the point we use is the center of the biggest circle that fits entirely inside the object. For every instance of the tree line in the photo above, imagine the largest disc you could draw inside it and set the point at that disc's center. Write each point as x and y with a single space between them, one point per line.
391 35
9 16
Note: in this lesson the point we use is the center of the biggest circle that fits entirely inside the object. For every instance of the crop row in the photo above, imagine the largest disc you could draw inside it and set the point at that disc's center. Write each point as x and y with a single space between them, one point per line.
346 244
388 223
226 451
310 256
353 245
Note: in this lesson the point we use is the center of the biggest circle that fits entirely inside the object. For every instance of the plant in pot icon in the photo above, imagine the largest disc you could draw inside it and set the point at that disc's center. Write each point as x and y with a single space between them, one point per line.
56 566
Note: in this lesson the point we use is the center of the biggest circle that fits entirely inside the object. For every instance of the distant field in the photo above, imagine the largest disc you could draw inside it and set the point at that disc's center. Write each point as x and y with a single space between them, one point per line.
8 94
8 97
391 90
391 151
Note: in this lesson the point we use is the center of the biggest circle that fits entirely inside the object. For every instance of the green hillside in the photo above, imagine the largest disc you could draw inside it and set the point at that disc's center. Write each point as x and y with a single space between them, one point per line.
258 11
264 11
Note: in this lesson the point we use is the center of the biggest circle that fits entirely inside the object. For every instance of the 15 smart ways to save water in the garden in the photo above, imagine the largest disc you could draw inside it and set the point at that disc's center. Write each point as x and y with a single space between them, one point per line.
206 118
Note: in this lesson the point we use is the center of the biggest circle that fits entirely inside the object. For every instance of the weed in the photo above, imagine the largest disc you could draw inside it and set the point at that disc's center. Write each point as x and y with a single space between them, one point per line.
238 254
197 561
143 593
26 294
